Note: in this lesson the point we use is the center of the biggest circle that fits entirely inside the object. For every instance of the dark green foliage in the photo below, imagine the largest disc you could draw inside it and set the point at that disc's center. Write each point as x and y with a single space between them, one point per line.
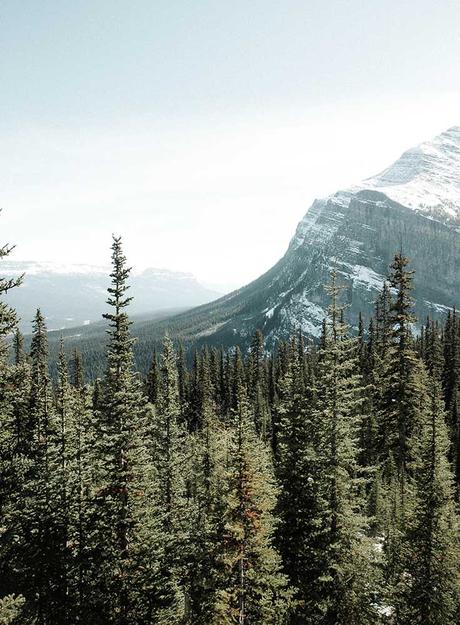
253 590
428 590
312 484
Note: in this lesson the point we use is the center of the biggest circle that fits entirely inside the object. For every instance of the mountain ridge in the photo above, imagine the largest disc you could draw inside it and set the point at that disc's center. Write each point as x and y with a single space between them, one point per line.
72 295
356 232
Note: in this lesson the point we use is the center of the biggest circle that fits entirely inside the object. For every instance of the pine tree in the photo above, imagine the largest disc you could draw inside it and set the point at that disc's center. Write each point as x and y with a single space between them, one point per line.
429 586
205 511
77 372
401 375
18 347
346 578
40 485
153 380
13 415
82 474
258 386
183 384
167 454
32 552
8 317
399 404
128 537
297 470
451 384
255 590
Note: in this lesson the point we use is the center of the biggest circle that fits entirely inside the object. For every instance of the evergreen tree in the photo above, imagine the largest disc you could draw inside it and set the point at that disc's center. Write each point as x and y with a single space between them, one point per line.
8 317
18 347
77 373
347 571
258 386
153 380
298 472
429 587
255 590
128 538
167 449
13 408
401 375
206 507
451 384
82 474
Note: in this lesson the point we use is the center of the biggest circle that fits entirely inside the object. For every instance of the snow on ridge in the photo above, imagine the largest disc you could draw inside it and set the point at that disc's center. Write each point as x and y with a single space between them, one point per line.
164 274
439 308
31 268
366 276
35 268
425 177
301 311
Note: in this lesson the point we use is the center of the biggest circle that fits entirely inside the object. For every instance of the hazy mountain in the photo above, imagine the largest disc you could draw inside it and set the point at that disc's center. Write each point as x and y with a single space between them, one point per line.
74 295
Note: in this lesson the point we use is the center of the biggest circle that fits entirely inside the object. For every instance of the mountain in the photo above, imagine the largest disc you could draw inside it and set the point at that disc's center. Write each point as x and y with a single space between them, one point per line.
74 295
413 206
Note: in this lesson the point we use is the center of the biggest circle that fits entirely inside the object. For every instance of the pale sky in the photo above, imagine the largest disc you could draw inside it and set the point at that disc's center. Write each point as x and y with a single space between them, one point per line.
202 130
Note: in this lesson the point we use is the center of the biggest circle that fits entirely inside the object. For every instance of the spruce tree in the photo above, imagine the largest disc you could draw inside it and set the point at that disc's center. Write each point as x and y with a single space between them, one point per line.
258 386
398 411
8 317
167 452
205 511
347 571
128 537
298 472
255 590
429 587
13 466
451 384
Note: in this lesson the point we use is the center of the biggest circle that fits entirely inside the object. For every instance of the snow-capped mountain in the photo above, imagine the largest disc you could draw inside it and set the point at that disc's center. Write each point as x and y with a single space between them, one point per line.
426 178
74 295
413 205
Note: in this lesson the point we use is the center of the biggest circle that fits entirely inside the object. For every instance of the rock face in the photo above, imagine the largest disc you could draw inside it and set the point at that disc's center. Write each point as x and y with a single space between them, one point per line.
413 206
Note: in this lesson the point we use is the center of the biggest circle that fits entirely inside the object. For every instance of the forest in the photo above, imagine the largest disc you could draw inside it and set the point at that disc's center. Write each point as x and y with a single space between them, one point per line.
317 484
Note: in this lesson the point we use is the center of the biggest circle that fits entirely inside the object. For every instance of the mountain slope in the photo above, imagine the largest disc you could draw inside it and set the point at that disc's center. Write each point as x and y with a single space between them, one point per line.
356 232
73 295
414 205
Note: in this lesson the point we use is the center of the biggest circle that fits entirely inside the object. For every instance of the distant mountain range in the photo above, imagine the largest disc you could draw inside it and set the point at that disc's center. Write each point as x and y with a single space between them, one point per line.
75 295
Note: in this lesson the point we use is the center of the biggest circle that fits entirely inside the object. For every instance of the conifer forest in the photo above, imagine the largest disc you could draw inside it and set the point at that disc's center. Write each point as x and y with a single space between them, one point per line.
315 484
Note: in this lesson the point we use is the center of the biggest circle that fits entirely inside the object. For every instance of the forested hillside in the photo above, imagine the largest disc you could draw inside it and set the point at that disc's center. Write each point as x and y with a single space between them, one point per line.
313 484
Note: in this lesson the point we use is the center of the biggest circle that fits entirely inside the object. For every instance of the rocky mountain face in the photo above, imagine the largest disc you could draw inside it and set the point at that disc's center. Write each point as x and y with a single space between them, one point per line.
75 295
413 206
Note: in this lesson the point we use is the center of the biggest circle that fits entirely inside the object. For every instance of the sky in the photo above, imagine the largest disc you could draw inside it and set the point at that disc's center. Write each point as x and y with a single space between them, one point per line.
202 130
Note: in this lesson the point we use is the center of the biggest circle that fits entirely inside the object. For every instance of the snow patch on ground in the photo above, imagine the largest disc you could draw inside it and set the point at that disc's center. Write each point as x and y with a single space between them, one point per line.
303 313
440 308
362 275
270 312
213 329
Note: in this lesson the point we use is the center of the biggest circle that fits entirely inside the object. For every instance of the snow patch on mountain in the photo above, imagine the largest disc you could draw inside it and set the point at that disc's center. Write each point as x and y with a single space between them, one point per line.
424 178
35 268
364 276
